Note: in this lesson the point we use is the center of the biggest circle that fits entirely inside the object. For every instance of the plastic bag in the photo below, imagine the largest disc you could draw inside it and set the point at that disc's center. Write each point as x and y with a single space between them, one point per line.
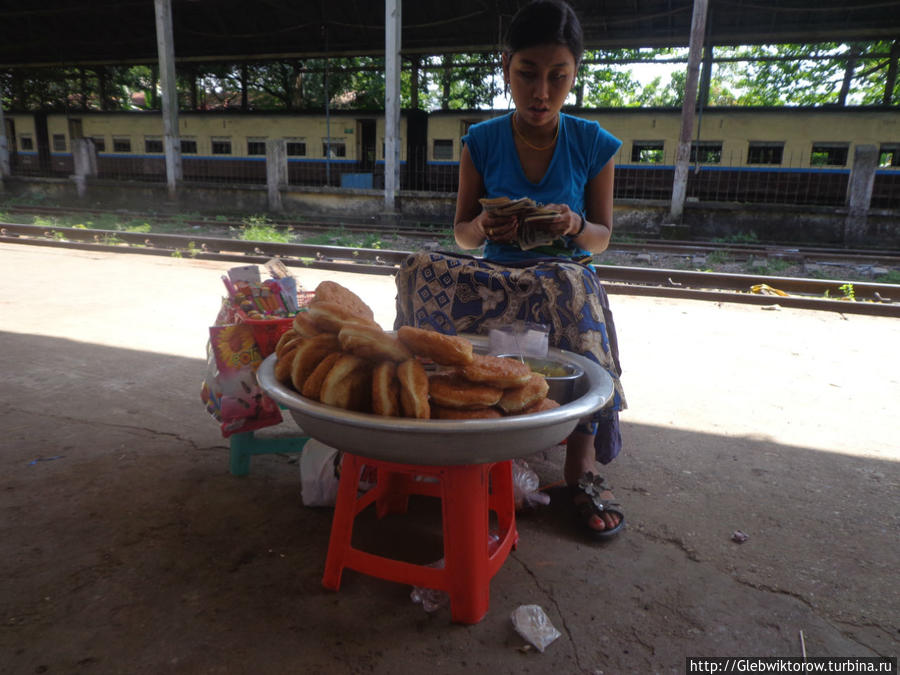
525 486
533 624
319 474
432 599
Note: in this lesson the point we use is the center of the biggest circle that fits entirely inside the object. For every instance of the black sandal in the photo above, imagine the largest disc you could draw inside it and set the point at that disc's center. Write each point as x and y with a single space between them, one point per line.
593 486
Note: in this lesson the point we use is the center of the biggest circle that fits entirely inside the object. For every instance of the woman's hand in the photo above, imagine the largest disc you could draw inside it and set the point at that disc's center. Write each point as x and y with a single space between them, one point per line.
566 223
502 229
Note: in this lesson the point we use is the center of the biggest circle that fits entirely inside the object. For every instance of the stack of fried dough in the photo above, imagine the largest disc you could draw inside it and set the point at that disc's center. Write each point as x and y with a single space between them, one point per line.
336 354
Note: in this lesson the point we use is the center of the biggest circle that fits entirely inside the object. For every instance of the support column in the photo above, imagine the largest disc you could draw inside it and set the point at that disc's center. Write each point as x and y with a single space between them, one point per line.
683 154
859 192
84 155
276 171
392 41
4 148
166 50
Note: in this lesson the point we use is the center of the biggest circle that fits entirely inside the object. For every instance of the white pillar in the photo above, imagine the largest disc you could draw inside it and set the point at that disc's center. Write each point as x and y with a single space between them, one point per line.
859 192
392 41
165 47
84 156
683 154
276 171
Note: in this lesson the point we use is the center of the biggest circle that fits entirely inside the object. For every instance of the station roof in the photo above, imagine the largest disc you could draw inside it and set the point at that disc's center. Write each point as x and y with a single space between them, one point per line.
92 32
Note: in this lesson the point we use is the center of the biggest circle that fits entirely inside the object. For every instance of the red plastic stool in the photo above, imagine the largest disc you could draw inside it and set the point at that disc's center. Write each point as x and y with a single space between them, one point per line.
467 493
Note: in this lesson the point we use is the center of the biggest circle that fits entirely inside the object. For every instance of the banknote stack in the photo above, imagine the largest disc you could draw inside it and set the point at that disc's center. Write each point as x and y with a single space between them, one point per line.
531 218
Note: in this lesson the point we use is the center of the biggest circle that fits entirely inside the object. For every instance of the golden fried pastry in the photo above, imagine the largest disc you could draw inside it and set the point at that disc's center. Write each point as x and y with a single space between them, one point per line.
413 389
370 342
313 384
330 291
442 413
287 339
516 399
303 325
330 317
498 371
285 363
308 354
447 350
385 389
348 384
450 390
540 406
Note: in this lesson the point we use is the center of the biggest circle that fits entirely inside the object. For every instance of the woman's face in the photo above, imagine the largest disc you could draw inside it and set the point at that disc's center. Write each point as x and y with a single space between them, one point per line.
540 78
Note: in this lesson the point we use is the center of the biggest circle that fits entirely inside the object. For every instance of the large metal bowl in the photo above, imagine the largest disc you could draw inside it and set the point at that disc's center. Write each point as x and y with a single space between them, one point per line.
443 442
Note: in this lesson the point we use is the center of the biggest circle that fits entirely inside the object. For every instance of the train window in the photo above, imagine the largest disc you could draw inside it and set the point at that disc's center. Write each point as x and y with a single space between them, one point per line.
121 144
647 152
99 143
889 155
706 152
337 145
759 152
295 147
188 146
153 145
256 146
59 142
26 142
829 154
443 149
221 146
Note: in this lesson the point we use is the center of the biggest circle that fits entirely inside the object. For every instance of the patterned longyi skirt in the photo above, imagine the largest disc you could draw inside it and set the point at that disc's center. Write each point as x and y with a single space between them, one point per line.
461 294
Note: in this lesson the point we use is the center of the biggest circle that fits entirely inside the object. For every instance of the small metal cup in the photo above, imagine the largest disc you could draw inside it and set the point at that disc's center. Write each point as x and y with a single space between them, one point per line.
563 388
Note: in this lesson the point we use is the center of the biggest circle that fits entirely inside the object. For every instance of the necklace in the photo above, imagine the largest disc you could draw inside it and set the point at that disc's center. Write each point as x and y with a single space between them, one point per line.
525 140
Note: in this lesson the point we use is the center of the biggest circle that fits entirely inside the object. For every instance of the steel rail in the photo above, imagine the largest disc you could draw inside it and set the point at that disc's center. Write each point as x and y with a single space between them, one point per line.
737 251
871 298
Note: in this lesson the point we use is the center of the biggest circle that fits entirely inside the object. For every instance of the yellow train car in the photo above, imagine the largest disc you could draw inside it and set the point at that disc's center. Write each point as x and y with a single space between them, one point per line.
775 155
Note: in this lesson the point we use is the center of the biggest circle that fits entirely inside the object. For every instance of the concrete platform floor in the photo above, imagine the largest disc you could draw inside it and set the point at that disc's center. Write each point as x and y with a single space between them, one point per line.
127 547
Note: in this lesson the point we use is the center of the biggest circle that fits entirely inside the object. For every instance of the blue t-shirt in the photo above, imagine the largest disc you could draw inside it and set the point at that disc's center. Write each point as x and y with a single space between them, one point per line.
582 150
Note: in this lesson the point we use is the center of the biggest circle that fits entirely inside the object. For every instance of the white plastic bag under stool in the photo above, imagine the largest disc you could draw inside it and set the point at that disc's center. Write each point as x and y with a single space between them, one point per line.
318 474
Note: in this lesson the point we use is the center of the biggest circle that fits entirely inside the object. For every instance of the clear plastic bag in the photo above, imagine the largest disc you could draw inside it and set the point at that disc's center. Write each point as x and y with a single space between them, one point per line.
526 486
533 624
432 599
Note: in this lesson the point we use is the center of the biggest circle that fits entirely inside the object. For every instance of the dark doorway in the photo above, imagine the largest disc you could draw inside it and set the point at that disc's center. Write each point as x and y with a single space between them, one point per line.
43 142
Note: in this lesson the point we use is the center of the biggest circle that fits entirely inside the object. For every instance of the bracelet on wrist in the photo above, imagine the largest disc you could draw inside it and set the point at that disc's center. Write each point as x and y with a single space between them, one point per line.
580 229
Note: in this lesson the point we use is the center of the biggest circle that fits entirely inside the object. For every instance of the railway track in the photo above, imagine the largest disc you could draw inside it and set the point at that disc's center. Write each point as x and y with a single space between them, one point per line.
832 295
416 230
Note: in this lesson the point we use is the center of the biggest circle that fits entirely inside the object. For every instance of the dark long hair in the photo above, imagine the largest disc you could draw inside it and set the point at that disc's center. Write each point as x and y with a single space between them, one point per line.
545 22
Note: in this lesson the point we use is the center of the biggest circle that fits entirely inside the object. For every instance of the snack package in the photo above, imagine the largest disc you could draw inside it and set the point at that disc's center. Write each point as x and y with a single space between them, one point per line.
269 299
231 392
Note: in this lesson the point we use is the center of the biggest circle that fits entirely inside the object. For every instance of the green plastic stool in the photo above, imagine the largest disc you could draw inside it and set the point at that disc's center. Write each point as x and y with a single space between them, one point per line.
245 444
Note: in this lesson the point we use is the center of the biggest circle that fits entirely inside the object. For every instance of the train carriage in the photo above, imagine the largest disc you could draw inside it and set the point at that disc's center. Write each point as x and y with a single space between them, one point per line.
778 155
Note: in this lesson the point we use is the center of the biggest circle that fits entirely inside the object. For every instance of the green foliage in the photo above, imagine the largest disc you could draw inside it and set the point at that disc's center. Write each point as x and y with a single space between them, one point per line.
371 240
137 227
771 75
769 267
892 277
264 233
718 257
739 238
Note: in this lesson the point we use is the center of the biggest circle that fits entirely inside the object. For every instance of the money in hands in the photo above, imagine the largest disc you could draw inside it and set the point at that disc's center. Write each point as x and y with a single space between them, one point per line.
531 217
